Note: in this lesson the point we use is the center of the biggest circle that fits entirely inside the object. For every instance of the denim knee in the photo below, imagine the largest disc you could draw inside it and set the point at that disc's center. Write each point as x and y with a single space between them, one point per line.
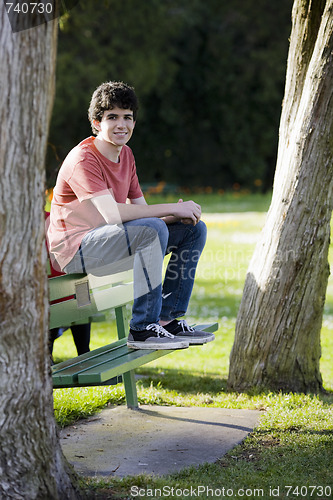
201 228
156 227
147 230
199 232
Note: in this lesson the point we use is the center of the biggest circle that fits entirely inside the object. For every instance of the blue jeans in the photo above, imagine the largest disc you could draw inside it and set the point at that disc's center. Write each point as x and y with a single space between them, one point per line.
143 243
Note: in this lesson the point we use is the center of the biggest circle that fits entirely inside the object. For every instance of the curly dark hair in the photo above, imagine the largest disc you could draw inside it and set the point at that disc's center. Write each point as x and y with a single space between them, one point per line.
108 96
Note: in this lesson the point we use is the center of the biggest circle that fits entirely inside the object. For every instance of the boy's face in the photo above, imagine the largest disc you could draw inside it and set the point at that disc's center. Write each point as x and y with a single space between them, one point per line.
116 126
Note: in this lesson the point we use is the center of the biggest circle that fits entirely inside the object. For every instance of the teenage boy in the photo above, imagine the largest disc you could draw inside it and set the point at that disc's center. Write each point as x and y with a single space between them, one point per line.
100 219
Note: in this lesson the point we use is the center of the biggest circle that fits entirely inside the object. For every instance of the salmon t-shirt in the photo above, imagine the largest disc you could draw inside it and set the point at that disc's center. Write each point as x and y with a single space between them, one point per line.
84 174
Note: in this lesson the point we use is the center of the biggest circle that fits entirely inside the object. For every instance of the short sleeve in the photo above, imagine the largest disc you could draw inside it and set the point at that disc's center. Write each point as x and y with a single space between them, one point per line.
87 180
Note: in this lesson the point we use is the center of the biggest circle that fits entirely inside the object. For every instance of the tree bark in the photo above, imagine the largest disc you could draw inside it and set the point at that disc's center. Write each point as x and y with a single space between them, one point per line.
277 339
32 465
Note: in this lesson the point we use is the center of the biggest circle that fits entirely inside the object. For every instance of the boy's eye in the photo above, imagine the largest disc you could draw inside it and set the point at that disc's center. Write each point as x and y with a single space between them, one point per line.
114 117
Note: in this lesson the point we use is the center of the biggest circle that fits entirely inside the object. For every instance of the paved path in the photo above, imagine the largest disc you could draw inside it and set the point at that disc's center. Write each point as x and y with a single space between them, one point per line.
153 440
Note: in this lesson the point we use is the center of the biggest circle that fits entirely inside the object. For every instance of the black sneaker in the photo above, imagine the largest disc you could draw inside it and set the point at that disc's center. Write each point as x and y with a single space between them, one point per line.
181 330
155 337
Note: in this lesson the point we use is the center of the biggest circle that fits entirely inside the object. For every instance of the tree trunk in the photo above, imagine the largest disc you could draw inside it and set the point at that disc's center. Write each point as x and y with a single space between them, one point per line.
277 340
32 465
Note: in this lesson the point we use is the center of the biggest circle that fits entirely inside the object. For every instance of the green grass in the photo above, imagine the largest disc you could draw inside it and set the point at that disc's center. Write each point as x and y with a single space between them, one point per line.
293 443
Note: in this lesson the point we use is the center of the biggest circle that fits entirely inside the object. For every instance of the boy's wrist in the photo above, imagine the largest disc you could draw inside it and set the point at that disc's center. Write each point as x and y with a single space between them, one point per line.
170 219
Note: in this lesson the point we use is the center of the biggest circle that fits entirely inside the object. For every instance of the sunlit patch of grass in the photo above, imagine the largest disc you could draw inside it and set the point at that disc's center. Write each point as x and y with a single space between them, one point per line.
74 404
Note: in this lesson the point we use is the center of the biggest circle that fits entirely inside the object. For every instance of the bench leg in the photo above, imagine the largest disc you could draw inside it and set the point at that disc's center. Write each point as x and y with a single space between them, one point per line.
130 390
128 377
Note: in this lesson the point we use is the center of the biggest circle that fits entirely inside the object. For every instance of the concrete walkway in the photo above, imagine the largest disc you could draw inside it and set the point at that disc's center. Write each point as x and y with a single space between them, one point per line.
154 440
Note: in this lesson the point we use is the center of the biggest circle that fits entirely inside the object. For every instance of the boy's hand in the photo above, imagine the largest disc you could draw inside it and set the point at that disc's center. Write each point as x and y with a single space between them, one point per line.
185 221
188 212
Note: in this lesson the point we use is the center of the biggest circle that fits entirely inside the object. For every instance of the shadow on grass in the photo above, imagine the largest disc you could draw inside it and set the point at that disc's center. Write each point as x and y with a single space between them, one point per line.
183 381
186 382
189 383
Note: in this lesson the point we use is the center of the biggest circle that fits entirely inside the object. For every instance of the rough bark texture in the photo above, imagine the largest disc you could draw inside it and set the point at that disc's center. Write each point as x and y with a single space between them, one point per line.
277 341
31 462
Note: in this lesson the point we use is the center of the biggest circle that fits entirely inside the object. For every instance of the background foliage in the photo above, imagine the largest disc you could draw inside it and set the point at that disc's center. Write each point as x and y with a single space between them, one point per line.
209 76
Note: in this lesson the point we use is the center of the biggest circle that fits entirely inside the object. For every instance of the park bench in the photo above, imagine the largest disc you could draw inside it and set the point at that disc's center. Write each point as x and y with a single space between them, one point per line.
82 298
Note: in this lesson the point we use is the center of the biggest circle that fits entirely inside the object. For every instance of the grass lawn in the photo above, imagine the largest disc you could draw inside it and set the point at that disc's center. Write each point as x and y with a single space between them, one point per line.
293 443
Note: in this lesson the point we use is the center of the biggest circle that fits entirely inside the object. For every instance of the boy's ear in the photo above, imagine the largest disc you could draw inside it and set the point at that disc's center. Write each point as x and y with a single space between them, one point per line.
97 125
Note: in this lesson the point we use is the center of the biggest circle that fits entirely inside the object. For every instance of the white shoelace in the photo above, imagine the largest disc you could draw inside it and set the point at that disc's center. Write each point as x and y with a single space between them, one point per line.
185 326
161 332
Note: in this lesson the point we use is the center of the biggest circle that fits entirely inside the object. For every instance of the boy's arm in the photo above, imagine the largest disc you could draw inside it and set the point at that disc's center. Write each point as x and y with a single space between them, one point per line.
116 213
170 219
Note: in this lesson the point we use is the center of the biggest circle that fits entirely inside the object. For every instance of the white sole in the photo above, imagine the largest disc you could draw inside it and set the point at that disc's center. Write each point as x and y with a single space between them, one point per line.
158 346
196 341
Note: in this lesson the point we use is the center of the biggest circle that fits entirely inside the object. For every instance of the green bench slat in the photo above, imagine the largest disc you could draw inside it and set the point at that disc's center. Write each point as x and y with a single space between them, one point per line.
107 354
72 362
208 327
103 364
110 361
117 296
130 360
113 381
64 286
67 312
